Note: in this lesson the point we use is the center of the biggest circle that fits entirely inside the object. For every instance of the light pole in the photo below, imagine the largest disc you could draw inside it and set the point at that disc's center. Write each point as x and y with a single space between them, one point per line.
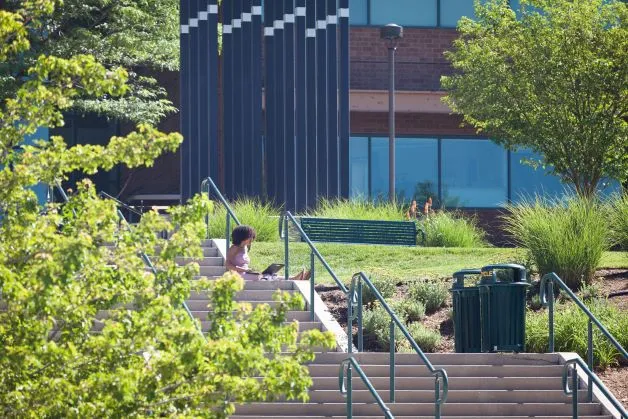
391 33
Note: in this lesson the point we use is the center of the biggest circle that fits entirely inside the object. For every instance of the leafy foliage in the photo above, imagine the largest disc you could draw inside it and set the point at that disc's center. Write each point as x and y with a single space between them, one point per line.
567 237
85 329
432 293
263 217
570 331
552 77
135 35
359 209
618 220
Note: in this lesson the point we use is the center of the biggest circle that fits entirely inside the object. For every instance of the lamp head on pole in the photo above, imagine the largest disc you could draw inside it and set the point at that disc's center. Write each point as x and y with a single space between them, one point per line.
391 33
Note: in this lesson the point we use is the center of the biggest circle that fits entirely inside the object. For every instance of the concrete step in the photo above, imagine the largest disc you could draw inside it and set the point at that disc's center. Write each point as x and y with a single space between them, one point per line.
454 396
382 384
479 371
204 261
205 325
260 285
245 295
201 305
211 270
419 417
301 316
422 409
365 358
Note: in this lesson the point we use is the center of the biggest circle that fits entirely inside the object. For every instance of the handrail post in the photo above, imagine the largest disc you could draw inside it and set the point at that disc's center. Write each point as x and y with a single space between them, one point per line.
392 361
286 247
360 326
574 388
590 359
550 287
312 286
227 229
349 393
437 404
350 320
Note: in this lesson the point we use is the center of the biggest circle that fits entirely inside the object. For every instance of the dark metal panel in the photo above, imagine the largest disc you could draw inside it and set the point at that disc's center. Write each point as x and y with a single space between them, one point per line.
301 106
212 10
184 113
256 101
228 95
343 96
246 117
289 115
201 155
193 167
311 104
322 103
238 140
332 95
269 98
280 110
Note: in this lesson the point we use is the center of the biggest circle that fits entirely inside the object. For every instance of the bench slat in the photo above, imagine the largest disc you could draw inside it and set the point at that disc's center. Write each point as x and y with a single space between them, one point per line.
359 231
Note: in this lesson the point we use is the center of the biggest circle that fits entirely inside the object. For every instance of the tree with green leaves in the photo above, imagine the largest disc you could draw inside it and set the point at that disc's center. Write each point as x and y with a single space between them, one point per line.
551 76
86 329
140 36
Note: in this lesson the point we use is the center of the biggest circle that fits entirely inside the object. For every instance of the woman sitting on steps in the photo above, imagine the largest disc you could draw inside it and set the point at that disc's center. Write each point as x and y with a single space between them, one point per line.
238 259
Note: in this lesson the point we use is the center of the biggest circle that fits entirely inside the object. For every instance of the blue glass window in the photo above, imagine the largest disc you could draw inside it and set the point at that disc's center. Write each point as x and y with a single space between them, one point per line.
379 168
404 12
416 168
526 182
452 10
358 12
474 173
358 167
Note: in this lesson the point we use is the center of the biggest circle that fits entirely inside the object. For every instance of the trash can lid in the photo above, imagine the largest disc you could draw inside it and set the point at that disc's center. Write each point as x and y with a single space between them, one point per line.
460 275
489 276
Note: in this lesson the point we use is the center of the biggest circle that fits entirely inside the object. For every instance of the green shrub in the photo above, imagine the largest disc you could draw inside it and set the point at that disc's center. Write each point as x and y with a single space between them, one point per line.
376 323
359 209
565 236
446 229
428 340
618 220
432 293
570 331
261 216
408 310
386 288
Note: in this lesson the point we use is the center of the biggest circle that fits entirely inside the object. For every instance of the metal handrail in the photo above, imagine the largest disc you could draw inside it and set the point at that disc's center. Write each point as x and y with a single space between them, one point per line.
547 289
571 366
120 203
288 217
355 298
347 389
209 183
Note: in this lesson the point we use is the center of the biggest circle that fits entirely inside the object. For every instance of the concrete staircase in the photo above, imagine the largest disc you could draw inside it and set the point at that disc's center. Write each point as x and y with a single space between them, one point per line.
513 386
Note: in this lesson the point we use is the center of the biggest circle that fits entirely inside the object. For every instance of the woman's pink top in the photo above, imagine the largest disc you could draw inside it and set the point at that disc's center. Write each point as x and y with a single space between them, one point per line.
241 259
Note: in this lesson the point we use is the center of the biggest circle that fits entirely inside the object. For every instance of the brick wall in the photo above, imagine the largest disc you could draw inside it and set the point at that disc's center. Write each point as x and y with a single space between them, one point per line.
419 59
408 124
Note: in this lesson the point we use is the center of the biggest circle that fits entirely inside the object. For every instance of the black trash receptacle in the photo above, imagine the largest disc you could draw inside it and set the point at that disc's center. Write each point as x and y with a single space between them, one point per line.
466 313
502 295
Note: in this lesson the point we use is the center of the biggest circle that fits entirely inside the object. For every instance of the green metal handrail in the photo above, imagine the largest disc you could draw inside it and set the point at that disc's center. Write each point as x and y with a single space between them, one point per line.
209 184
314 253
571 367
547 289
130 208
355 298
347 389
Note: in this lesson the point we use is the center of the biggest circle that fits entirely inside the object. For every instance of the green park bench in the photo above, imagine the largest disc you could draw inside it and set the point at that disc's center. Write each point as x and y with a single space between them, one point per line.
361 231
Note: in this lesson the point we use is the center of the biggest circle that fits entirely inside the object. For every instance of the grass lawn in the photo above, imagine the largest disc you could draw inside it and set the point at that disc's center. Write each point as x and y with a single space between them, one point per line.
396 262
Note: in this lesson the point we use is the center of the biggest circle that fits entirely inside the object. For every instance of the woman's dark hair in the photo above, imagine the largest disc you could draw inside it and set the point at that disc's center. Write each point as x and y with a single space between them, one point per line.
241 233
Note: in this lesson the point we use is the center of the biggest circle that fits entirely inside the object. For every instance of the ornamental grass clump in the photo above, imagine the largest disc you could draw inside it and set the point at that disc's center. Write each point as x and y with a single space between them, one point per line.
446 229
261 216
359 209
567 236
618 220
